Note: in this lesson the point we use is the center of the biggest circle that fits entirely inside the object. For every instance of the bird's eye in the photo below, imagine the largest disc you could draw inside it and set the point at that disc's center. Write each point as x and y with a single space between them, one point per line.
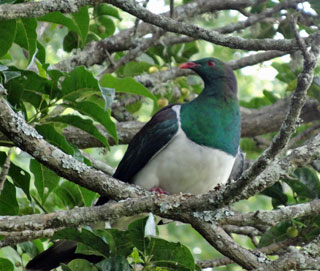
211 63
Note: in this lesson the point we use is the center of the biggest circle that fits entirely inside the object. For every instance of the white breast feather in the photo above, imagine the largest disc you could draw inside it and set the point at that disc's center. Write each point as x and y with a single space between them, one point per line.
184 166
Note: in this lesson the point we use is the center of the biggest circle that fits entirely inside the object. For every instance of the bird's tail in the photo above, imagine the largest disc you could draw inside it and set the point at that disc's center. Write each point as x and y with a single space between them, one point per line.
61 252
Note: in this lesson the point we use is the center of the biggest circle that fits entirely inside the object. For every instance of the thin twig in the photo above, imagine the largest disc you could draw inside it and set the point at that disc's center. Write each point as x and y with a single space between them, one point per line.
132 54
5 170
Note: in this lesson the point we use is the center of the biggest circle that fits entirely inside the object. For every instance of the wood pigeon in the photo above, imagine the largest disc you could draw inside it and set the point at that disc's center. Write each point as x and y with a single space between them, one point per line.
187 148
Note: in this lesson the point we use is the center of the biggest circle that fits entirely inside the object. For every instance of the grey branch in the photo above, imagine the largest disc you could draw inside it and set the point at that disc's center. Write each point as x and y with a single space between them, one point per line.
97 52
66 166
307 258
175 206
5 170
287 128
197 32
267 218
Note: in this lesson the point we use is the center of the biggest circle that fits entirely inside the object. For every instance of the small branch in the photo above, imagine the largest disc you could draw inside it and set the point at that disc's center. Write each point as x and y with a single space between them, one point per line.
13 238
243 230
302 136
307 258
96 52
132 54
151 80
300 41
99 165
282 138
196 32
274 248
3 91
271 218
5 170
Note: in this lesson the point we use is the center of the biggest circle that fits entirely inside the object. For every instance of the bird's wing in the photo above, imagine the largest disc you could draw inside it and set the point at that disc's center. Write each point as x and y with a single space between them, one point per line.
147 142
153 136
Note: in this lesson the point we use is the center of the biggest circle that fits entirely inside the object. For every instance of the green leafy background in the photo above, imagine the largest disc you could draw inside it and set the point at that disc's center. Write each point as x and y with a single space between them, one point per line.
51 99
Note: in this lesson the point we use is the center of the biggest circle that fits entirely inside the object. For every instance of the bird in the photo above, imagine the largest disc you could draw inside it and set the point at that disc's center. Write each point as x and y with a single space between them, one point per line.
188 148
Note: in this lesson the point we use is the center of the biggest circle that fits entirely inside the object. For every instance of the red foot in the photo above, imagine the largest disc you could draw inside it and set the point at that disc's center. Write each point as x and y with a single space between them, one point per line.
159 190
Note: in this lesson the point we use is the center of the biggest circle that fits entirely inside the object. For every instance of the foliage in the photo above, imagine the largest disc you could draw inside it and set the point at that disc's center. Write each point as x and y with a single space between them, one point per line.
51 99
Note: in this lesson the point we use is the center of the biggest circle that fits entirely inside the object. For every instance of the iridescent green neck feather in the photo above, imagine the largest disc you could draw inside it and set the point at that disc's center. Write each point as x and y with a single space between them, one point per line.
213 118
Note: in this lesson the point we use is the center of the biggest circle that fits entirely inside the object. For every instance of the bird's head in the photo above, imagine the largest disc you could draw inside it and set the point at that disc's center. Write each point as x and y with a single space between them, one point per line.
213 71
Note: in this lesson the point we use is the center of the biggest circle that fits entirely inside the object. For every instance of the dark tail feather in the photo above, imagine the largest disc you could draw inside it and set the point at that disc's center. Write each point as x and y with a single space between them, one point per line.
61 252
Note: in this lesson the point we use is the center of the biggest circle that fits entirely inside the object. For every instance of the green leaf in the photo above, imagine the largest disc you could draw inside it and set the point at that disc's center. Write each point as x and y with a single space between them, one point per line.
270 95
81 20
284 72
79 265
7 1
136 229
302 191
26 35
117 263
105 9
53 137
275 234
83 124
162 253
7 35
256 102
86 237
8 200
30 81
277 195
8 75
79 83
5 264
20 177
59 18
119 242
170 255
108 24
309 179
87 196
127 85
70 41
38 101
41 54
134 68
44 179
98 114
71 195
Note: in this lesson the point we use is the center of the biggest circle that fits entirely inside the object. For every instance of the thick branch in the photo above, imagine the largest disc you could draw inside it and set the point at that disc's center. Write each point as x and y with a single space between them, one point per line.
287 129
171 25
225 244
66 166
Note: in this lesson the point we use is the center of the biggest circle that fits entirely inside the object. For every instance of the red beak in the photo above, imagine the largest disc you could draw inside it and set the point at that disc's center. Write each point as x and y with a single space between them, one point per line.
188 65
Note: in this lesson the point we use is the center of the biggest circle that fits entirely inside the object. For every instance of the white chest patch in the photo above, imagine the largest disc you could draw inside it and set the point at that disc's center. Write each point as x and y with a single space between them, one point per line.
184 166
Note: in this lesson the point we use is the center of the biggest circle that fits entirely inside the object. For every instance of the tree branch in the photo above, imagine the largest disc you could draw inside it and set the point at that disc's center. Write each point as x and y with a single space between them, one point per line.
171 25
287 129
